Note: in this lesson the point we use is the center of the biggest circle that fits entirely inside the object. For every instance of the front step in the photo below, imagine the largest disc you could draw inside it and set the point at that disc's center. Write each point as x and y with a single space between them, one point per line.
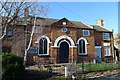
58 68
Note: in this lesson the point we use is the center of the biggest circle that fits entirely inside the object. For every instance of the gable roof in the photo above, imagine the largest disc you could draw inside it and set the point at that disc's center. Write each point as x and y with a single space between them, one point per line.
50 21
81 25
101 28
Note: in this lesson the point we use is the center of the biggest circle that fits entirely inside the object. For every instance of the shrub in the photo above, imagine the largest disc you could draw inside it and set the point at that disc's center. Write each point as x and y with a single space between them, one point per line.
12 67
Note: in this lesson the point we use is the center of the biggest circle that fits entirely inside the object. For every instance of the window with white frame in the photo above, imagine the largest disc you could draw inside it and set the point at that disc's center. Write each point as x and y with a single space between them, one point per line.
82 46
64 23
107 49
43 43
106 36
86 33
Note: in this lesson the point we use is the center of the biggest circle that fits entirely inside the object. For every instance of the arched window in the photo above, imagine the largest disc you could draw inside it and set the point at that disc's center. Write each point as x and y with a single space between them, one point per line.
43 46
82 46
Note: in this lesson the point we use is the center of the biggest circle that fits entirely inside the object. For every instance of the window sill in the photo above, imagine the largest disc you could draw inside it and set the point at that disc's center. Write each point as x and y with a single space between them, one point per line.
82 54
106 39
43 54
86 35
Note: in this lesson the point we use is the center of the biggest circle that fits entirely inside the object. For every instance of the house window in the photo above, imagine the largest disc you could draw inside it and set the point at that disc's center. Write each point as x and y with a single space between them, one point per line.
82 46
107 49
86 33
106 36
9 33
64 23
43 43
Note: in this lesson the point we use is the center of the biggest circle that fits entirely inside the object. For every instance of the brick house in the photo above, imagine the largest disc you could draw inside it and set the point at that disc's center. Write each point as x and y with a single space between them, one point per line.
60 41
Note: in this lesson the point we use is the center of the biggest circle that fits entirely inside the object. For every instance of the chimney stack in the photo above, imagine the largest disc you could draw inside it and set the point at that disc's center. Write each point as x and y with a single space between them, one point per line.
26 12
100 22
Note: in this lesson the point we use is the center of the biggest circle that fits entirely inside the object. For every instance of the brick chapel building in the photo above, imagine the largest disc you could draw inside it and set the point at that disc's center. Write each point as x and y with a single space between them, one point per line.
60 40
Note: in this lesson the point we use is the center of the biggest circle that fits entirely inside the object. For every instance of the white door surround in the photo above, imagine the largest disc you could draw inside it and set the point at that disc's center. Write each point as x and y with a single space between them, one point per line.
65 38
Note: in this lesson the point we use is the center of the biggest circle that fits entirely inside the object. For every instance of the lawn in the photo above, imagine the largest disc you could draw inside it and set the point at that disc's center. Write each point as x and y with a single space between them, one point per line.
99 67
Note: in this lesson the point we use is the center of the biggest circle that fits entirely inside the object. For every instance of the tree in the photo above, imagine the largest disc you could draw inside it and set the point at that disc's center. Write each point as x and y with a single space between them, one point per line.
13 11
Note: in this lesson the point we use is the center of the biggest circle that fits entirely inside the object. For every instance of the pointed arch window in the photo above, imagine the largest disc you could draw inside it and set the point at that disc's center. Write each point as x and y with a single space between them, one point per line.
82 46
43 46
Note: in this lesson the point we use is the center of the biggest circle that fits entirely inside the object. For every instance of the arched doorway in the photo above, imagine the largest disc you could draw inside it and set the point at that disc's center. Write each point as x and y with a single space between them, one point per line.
64 52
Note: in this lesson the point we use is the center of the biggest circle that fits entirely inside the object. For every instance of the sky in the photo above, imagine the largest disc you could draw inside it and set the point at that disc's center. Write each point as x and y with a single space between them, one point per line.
88 12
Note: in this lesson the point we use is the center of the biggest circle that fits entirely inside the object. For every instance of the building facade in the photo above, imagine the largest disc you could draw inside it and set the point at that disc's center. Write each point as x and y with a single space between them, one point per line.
61 41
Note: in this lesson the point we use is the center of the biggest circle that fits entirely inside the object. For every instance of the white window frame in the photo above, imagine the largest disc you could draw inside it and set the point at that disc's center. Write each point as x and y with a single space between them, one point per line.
106 35
64 23
85 46
108 50
48 42
88 31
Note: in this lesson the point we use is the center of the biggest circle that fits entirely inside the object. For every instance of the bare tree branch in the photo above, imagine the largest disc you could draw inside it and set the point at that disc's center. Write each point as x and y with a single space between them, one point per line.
12 10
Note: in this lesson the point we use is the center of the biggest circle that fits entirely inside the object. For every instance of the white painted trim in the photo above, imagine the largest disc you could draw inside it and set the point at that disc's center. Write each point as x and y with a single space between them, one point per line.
85 46
87 25
82 54
73 46
56 45
106 44
86 42
59 47
48 41
98 46
38 39
63 41
87 31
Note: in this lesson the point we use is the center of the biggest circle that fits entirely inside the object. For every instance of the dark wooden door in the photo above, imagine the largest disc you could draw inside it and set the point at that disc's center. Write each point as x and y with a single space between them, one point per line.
64 53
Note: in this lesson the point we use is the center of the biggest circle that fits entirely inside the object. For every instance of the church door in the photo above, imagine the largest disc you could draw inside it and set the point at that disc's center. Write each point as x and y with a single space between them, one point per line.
64 53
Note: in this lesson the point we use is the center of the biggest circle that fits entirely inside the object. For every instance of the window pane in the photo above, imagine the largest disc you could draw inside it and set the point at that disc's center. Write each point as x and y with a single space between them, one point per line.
106 36
81 46
86 33
107 50
10 33
43 46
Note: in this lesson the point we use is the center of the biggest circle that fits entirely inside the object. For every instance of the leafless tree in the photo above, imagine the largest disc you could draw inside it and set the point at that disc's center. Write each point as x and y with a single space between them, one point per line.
11 11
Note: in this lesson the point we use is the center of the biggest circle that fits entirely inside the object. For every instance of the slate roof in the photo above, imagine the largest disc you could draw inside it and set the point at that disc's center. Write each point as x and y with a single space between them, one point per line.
101 28
49 21
81 25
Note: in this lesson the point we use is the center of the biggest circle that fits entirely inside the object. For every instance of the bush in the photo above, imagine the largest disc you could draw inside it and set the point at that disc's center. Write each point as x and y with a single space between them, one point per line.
12 67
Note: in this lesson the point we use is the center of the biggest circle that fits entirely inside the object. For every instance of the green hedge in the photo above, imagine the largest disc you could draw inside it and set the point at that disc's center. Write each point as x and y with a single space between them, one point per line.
12 67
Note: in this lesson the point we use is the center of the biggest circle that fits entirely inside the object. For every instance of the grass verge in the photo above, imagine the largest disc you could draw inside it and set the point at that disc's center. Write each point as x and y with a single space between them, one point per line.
99 67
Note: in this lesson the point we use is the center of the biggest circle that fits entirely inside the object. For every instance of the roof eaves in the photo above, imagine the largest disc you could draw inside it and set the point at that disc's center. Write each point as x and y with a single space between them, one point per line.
107 30
87 25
